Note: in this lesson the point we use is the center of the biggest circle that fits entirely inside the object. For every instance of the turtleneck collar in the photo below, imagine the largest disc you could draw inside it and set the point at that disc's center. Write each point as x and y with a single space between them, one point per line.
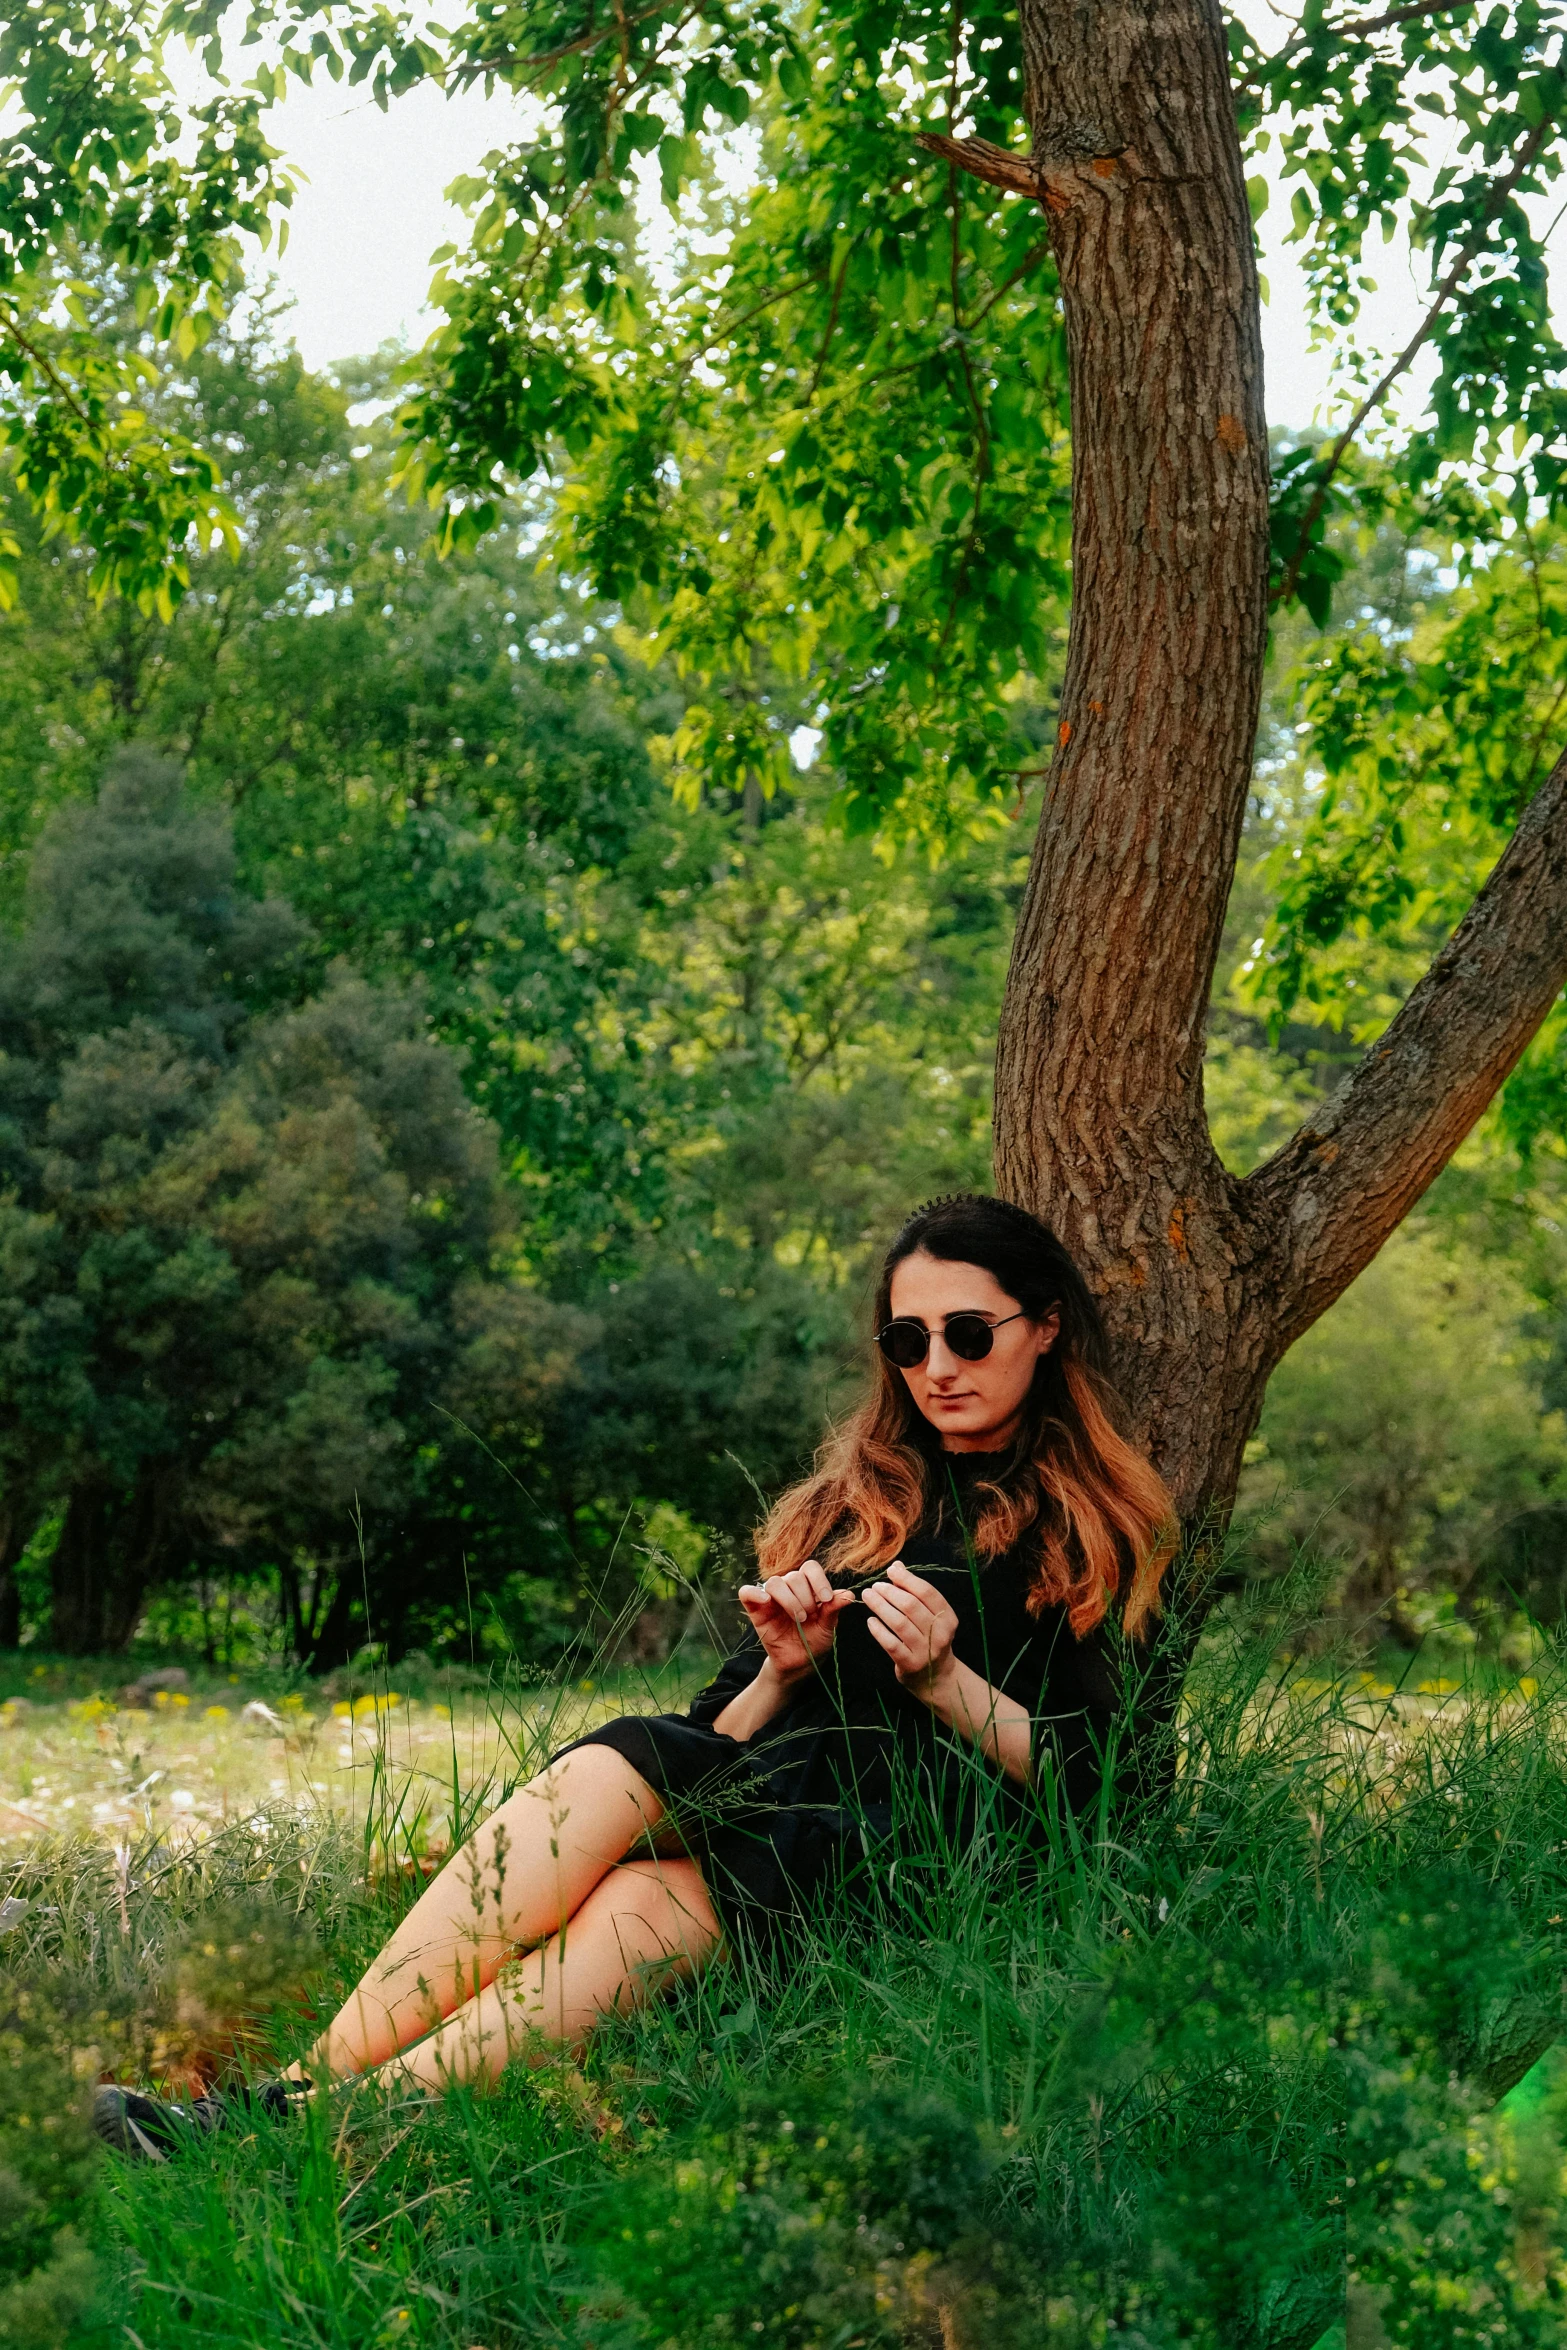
969 1465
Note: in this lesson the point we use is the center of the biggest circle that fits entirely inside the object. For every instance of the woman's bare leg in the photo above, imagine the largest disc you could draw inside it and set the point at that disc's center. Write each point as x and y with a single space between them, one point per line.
645 1925
517 1880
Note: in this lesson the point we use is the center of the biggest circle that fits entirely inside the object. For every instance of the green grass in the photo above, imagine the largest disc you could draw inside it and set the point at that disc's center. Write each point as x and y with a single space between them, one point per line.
1175 2088
75 1759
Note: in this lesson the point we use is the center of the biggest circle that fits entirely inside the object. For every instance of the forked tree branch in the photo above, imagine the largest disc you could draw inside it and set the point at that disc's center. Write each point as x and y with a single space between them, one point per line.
1341 1184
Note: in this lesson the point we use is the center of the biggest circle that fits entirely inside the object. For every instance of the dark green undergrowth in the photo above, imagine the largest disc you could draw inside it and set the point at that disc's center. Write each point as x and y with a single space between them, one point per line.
1272 2046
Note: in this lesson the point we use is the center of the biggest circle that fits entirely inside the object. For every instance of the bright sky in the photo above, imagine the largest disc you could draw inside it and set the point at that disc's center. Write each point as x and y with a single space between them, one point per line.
365 225
372 210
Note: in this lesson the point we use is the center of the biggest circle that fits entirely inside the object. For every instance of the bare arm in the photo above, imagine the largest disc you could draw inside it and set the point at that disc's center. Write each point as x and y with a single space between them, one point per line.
996 1724
768 1694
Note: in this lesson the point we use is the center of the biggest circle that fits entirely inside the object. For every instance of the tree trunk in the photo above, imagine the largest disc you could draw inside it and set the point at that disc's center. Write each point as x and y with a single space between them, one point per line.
1100 1123
78 1574
139 1534
1204 1279
103 1567
16 1525
330 1641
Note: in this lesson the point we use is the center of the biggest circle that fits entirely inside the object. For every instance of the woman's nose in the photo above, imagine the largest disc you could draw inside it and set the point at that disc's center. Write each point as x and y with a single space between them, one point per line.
942 1361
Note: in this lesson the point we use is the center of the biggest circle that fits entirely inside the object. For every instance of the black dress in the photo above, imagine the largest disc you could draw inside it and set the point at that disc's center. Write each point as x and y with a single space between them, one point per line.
855 1773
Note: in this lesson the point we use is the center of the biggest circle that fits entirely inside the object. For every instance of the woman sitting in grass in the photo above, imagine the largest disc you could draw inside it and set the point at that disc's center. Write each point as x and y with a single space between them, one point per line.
938 1591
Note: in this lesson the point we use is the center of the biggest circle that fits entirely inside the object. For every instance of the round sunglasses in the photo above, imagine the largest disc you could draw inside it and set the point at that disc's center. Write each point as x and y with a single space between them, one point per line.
969 1336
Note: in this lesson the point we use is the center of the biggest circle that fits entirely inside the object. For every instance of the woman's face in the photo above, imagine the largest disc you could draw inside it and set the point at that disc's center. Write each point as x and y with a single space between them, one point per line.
975 1407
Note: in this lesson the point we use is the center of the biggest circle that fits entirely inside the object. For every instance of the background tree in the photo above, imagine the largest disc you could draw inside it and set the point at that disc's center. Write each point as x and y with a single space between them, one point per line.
1404 1435
766 1039
233 1237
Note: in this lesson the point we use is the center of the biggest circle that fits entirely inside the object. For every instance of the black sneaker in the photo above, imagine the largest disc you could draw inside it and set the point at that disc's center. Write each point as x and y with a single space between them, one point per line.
276 2099
146 2128
149 2128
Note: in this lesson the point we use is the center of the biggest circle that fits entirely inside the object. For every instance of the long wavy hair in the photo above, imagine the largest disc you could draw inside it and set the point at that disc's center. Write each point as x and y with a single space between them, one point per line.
1071 1488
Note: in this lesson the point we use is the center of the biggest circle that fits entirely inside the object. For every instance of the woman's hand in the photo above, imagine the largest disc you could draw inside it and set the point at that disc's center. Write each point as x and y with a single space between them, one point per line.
795 1616
916 1627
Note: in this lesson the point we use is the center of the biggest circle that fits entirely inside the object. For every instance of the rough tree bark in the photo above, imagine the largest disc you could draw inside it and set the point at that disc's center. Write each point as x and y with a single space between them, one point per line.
1205 1279
103 1566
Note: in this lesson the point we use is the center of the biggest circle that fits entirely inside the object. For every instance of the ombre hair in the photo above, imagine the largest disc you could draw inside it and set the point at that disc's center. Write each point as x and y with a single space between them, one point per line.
1071 1489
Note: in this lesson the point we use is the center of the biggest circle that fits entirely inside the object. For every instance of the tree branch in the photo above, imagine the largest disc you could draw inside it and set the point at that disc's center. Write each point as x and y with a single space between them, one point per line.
1343 1182
1030 261
478 67
57 384
998 165
1500 191
832 324
1354 29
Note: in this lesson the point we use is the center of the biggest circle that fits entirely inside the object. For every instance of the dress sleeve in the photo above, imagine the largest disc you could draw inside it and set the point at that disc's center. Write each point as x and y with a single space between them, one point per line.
1079 1706
1087 1672
733 1676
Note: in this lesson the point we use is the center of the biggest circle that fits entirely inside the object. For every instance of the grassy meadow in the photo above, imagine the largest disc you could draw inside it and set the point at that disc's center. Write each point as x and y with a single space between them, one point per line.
180 1765
1279 2033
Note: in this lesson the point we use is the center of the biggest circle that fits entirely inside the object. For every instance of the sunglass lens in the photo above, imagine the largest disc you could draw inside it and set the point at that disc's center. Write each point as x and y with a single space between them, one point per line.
903 1343
970 1337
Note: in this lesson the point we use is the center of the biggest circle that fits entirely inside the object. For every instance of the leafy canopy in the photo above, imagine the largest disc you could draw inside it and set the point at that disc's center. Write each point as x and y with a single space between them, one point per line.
1422 727
825 445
